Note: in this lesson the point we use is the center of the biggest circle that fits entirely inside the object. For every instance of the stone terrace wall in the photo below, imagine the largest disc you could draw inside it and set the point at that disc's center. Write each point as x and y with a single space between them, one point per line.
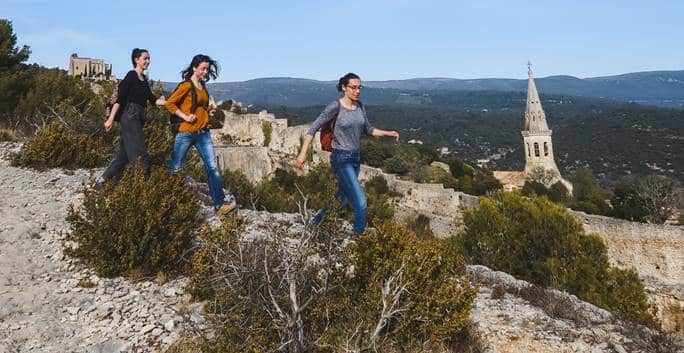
656 252
248 153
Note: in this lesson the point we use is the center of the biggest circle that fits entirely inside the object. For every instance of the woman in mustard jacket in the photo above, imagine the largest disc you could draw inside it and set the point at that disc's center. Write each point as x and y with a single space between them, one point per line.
194 129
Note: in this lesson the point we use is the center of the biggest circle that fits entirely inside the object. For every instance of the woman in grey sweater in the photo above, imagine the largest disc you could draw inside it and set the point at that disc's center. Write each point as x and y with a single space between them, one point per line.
348 119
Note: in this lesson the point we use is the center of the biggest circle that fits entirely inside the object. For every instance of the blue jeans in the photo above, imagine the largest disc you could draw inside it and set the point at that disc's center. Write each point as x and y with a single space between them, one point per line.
346 166
202 141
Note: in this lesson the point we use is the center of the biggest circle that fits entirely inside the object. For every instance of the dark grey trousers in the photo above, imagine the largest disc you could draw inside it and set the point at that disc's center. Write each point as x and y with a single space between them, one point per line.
132 147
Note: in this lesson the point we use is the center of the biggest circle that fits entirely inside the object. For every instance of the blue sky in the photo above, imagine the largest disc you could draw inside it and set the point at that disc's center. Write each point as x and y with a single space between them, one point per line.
379 40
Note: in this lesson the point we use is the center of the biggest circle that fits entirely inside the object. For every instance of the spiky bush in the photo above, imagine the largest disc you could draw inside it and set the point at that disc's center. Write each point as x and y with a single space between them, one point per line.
297 291
141 224
58 146
539 241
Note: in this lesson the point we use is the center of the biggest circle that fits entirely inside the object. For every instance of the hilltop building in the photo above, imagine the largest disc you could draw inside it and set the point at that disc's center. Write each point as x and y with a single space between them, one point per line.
90 68
539 159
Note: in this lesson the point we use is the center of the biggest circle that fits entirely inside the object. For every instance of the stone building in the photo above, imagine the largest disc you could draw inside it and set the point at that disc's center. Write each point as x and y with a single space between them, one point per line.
90 68
537 145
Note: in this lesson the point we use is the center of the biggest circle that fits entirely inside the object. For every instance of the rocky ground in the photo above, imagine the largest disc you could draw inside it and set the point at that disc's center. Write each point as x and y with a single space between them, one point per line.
512 316
49 303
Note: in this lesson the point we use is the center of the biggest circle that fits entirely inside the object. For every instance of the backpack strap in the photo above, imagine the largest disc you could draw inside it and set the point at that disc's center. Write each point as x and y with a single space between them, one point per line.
334 119
336 110
194 106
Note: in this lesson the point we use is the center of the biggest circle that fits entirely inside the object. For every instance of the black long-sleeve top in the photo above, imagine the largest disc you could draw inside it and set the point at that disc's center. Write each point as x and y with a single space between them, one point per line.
133 90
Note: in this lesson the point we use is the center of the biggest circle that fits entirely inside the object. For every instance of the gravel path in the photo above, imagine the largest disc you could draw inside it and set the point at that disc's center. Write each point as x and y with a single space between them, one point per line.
48 303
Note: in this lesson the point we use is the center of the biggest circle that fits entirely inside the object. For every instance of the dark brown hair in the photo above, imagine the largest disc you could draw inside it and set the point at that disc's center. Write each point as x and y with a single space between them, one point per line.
344 80
136 54
196 61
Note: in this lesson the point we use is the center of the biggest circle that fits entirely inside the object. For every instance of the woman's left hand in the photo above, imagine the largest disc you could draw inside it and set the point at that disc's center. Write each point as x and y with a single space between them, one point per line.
212 111
393 134
161 101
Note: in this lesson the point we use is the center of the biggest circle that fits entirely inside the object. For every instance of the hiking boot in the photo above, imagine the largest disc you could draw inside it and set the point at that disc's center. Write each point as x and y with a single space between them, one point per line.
320 215
99 184
225 209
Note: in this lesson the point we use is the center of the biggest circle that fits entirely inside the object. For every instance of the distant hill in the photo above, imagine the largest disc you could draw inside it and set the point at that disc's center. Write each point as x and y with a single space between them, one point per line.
597 121
614 142
657 88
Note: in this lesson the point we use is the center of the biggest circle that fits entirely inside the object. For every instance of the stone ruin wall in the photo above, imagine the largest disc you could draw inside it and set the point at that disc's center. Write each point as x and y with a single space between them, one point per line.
656 252
248 153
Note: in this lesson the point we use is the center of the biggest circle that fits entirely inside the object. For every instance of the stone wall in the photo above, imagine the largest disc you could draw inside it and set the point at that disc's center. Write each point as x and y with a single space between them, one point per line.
656 252
247 153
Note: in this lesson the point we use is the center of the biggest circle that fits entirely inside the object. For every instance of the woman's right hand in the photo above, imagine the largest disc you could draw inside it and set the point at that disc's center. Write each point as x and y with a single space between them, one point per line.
190 118
108 124
299 163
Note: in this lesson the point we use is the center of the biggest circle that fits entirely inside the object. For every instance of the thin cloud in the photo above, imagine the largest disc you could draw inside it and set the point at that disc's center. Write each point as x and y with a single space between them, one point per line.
64 35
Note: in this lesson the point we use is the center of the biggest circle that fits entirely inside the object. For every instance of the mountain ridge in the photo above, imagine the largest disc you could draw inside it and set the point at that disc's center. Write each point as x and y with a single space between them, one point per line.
664 88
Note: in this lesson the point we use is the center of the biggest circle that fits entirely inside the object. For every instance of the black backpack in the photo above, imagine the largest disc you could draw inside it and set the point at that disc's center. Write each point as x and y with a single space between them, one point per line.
175 120
110 104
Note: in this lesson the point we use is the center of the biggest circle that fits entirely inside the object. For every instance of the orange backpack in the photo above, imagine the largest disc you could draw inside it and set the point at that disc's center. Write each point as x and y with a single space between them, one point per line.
327 129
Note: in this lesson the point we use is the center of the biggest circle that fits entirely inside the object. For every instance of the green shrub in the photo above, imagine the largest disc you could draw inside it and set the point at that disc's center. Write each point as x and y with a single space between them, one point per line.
375 153
484 183
377 184
139 225
158 136
52 87
556 193
458 168
408 157
627 203
216 120
540 242
420 225
588 196
10 55
339 290
433 174
267 129
532 187
652 198
627 296
397 165
57 146
241 187
241 302
380 209
282 193
437 298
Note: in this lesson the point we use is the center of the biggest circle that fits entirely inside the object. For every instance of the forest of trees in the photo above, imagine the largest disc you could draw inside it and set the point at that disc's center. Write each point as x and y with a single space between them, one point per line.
618 142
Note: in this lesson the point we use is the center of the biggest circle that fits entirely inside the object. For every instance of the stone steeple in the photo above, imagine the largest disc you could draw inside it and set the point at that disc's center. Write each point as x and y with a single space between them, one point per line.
535 119
539 160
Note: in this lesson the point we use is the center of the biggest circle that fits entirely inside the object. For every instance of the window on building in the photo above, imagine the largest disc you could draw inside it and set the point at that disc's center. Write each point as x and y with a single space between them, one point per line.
529 154
546 149
536 149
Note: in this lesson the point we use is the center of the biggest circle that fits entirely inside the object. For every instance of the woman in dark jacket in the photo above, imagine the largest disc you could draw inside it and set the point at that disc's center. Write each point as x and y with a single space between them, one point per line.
133 94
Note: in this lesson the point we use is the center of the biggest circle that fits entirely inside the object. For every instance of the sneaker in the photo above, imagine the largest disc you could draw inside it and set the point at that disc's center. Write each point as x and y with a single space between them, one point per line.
225 209
99 184
320 215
